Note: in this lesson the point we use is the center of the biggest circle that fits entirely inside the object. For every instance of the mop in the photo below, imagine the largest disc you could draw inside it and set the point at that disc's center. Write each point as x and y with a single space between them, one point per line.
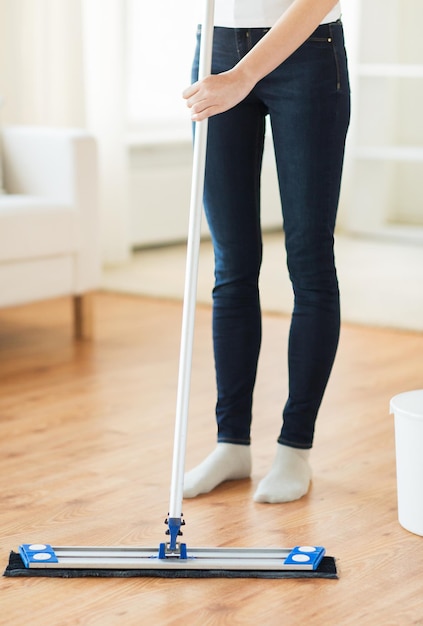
172 558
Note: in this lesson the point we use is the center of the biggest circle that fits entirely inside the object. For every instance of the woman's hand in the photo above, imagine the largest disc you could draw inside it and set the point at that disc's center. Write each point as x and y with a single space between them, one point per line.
217 93
220 92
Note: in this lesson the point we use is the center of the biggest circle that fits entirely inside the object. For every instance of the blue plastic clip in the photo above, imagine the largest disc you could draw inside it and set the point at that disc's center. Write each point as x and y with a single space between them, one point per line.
32 553
162 551
174 524
305 555
179 553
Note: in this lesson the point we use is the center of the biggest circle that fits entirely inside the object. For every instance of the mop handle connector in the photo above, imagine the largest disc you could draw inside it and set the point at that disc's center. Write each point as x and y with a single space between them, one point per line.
173 549
174 530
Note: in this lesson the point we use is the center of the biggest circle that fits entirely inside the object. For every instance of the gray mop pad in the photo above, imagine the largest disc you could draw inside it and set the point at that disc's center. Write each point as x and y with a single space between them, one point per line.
16 568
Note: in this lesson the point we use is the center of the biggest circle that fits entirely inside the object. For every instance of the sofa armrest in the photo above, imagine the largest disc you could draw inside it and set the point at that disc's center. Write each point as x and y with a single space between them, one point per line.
59 165
44 162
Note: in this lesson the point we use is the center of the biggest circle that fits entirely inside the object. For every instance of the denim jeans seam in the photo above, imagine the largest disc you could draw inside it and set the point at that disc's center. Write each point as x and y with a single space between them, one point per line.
294 444
335 55
240 442
238 48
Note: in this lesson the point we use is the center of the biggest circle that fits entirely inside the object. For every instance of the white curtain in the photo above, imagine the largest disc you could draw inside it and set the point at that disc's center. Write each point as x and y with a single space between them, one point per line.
105 97
41 77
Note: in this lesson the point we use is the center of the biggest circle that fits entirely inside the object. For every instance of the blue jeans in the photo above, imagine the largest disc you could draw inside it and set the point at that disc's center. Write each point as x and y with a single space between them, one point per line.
308 102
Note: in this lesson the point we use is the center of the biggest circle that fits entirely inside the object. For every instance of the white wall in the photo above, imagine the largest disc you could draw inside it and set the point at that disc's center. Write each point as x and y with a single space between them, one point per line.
385 160
160 183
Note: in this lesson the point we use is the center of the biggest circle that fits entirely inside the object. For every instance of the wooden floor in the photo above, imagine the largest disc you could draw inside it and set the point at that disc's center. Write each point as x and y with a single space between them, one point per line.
86 433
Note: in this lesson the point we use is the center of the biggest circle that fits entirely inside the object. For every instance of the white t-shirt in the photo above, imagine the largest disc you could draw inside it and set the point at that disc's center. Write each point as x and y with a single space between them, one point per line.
257 13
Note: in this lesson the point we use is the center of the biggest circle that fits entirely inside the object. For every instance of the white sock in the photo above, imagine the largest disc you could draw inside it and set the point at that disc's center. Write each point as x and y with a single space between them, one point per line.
228 461
289 477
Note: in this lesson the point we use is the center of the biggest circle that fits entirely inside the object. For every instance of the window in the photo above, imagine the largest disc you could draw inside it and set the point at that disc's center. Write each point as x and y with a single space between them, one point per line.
160 48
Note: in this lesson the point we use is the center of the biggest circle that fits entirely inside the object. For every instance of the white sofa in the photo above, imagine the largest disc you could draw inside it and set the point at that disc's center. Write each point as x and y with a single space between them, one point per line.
48 219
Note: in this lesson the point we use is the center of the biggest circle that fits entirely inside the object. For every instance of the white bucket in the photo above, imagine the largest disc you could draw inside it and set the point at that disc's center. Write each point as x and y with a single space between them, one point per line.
408 413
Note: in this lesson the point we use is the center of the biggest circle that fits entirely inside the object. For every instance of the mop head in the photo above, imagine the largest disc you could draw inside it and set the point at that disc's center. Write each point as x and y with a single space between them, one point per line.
16 568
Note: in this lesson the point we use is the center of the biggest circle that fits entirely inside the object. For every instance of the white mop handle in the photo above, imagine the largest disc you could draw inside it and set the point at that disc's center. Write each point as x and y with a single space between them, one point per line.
191 276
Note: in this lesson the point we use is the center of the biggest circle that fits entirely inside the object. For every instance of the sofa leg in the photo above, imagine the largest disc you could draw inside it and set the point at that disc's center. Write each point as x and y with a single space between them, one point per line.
83 316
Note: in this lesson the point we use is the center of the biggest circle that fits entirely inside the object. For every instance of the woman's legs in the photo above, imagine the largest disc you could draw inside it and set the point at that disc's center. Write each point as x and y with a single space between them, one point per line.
231 200
232 207
308 100
309 125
